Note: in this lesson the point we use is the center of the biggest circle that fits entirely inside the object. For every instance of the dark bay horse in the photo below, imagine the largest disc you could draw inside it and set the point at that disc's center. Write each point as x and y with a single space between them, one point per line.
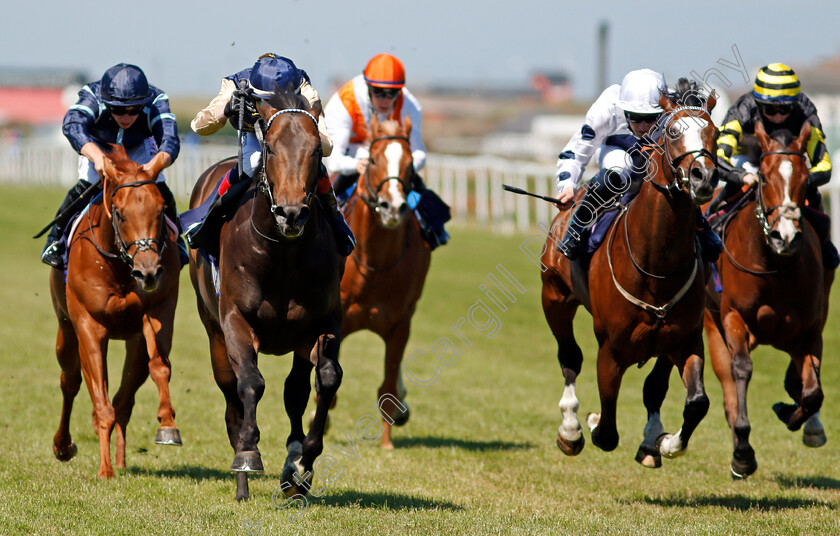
384 276
775 292
645 290
122 283
279 274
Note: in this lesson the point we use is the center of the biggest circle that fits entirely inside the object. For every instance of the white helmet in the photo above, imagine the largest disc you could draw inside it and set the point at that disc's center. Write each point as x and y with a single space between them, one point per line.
640 92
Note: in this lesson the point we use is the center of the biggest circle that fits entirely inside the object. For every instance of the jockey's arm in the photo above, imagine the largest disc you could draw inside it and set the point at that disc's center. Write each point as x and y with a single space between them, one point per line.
314 99
340 128
212 118
820 172
92 152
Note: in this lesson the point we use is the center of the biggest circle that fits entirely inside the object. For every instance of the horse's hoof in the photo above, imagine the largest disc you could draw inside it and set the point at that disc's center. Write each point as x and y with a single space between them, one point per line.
784 411
670 445
571 448
66 453
814 438
401 417
247 461
294 483
168 436
648 457
741 469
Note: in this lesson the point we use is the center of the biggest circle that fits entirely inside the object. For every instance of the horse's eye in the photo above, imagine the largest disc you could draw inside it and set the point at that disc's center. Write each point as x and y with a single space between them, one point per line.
268 149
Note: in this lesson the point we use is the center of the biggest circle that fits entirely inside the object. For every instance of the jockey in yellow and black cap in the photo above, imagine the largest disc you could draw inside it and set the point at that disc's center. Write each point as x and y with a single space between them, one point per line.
778 102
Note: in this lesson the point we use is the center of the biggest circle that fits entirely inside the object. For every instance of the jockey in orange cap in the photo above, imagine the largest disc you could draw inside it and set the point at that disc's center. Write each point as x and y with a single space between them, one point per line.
379 90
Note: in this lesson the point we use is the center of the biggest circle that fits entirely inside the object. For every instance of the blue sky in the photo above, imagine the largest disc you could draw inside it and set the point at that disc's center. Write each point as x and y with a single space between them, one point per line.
187 47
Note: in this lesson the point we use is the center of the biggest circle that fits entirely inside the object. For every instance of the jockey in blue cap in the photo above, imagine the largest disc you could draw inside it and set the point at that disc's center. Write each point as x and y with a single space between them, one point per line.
270 73
122 108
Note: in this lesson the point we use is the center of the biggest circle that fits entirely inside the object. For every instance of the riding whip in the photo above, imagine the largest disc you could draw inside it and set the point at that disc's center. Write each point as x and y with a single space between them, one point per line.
71 208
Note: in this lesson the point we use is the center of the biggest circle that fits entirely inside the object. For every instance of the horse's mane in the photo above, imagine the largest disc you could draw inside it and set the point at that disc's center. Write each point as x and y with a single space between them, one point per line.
687 94
120 159
287 100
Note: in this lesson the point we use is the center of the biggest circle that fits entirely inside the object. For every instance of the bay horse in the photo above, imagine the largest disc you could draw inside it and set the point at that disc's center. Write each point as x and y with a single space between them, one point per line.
384 276
644 289
122 283
774 292
279 274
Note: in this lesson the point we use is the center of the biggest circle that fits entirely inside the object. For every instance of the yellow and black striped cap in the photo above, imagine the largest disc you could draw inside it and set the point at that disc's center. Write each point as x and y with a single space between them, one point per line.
776 83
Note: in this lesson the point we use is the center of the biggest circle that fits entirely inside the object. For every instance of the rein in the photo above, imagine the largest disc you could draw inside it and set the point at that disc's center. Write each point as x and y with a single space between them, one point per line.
662 310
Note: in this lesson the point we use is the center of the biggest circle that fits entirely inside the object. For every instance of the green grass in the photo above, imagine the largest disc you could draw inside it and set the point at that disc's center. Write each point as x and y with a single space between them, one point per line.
477 457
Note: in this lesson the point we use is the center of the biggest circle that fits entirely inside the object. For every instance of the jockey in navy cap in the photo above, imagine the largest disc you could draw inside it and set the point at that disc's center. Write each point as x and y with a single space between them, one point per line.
122 108
270 73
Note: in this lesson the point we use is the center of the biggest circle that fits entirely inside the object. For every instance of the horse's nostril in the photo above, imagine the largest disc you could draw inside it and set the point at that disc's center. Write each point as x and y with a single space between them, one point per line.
403 208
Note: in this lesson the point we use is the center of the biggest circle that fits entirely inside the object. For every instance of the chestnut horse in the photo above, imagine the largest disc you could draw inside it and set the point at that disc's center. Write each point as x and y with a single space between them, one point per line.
384 277
774 292
122 283
279 274
645 290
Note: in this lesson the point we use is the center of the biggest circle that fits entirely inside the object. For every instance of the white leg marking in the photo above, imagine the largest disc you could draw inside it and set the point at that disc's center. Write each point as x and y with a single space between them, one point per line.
570 429
592 420
671 446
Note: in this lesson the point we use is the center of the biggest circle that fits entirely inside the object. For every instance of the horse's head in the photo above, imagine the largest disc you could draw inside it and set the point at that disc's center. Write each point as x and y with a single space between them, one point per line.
291 160
690 144
135 207
387 179
781 187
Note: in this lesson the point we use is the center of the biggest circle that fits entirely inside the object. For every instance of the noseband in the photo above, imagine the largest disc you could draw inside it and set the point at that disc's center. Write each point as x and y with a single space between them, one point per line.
156 245
264 185
371 197
681 176
762 212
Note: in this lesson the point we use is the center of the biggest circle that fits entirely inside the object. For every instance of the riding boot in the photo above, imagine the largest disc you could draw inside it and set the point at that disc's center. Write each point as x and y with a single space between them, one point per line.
709 242
171 212
55 248
345 240
342 186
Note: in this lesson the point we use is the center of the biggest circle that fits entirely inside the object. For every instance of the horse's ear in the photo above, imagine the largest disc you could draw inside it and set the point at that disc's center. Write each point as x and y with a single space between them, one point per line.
761 134
666 103
156 165
407 125
711 101
804 136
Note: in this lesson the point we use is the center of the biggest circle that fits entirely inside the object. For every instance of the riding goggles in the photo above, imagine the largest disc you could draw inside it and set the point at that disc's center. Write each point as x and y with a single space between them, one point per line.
125 110
774 109
633 117
385 93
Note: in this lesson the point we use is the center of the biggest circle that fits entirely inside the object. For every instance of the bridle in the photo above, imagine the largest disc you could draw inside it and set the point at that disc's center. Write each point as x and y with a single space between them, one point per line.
761 210
681 180
263 183
156 245
371 196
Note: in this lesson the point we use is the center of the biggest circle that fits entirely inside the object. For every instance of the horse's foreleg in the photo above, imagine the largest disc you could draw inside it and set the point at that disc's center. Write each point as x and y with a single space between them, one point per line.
655 389
560 316
158 333
603 426
67 352
250 385
743 464
295 395
328 376
135 372
391 401
696 401
737 341
93 351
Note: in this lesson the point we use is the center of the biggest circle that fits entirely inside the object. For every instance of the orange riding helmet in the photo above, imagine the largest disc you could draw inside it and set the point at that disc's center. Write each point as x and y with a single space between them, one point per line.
385 70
